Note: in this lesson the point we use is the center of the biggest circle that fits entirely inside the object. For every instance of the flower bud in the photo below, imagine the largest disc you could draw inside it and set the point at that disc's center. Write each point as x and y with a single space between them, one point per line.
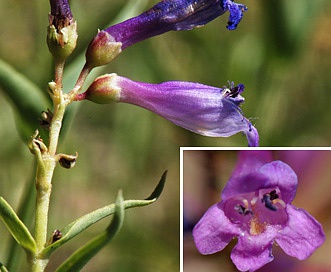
102 50
62 30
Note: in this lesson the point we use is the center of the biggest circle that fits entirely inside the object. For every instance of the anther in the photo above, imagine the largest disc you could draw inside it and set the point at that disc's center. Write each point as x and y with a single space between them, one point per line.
267 199
273 195
242 210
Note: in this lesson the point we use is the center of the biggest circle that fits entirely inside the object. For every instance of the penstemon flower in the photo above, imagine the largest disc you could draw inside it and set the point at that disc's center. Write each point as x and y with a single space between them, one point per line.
256 208
164 16
203 109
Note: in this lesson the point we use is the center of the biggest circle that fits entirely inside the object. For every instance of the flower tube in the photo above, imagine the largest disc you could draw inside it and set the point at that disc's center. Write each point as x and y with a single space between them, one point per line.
206 110
164 16
256 208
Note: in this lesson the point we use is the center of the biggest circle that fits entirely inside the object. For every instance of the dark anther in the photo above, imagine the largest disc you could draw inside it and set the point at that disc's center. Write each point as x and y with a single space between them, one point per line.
56 235
242 210
235 91
267 199
273 195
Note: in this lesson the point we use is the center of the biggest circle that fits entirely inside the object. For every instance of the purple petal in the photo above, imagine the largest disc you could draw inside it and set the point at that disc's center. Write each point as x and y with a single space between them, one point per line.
253 252
60 10
282 176
247 258
246 177
252 136
303 234
214 231
236 13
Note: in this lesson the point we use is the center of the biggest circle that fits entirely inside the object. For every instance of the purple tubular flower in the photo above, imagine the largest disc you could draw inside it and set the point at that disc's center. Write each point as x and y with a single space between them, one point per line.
174 15
164 16
203 109
256 208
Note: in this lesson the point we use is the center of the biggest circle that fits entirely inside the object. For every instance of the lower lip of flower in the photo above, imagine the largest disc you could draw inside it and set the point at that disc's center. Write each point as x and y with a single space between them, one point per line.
253 212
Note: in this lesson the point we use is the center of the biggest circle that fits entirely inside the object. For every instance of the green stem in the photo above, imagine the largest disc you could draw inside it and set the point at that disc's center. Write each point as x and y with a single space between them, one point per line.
59 66
43 188
46 162
60 103
80 82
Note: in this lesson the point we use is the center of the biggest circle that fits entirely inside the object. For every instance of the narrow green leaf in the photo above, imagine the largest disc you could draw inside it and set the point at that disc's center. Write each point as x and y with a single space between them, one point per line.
16 227
25 213
81 257
3 268
159 188
82 223
27 98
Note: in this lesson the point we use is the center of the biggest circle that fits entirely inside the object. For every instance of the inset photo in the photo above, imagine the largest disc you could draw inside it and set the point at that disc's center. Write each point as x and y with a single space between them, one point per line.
256 210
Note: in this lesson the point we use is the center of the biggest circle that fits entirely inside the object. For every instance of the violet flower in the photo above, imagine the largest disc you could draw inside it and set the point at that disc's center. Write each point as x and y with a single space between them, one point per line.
203 109
164 16
256 208
174 15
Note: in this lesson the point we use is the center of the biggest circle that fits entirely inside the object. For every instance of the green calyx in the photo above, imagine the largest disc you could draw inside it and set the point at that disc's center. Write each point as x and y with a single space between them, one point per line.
102 50
62 42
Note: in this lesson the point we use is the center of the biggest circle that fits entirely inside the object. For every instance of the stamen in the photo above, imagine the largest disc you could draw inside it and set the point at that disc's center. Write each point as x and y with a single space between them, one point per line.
226 92
254 200
279 201
235 91
273 195
242 210
268 202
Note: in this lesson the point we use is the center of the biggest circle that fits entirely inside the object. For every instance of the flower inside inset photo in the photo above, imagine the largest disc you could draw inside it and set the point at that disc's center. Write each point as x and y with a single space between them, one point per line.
256 210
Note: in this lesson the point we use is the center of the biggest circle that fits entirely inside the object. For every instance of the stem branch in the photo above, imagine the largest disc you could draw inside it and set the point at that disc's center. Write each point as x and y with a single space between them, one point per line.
47 159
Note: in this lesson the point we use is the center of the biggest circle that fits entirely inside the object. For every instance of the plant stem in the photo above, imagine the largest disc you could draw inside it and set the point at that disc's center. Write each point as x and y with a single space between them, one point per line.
59 66
80 81
43 188
46 162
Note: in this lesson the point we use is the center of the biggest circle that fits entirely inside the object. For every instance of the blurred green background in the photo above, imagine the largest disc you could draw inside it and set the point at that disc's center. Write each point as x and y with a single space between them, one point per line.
280 51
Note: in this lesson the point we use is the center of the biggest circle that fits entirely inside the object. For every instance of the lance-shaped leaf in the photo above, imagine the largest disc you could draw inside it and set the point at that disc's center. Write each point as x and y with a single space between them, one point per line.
27 98
82 223
16 227
81 257
3 268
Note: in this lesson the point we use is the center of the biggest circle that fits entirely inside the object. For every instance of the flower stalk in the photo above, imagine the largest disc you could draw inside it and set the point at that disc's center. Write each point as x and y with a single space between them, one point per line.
46 163
61 40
